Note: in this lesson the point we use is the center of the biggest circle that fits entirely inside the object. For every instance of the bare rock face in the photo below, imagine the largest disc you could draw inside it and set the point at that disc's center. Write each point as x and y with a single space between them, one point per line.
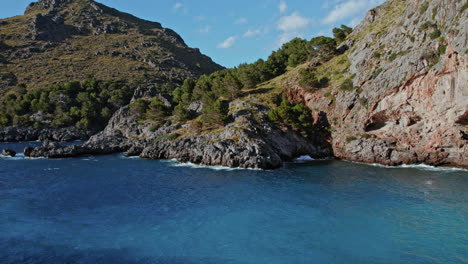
8 153
49 27
410 69
48 4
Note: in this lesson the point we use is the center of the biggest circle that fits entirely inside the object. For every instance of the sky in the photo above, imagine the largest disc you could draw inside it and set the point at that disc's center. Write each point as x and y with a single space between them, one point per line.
240 31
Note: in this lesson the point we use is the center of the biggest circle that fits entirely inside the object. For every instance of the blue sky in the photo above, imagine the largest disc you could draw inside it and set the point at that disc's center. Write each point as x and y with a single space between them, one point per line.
233 32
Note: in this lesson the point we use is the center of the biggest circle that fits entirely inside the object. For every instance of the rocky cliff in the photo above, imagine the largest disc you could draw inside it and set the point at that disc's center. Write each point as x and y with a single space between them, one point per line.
68 40
409 65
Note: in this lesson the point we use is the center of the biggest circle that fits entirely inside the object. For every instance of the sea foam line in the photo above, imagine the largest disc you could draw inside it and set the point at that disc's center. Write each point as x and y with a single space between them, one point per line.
176 163
413 166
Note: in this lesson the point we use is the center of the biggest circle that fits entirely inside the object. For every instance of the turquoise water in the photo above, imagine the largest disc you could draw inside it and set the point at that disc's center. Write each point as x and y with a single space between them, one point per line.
112 209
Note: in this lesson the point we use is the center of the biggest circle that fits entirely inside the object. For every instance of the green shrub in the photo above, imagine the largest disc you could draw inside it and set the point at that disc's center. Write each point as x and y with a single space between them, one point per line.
364 102
172 136
376 73
215 111
347 85
427 25
307 78
464 7
181 114
297 117
157 111
435 34
424 7
22 121
139 107
442 49
351 139
434 12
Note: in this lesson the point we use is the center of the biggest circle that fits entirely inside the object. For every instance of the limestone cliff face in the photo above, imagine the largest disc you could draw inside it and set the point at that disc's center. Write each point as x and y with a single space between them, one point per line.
409 64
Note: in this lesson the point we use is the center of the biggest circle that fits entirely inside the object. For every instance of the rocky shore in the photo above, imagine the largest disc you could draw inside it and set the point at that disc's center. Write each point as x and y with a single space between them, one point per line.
250 141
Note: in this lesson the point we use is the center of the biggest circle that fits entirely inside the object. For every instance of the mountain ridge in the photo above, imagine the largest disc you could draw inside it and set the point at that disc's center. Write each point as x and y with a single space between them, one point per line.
78 38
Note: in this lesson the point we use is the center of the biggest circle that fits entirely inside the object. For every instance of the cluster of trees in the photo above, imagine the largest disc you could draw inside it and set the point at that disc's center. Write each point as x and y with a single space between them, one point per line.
90 104
150 109
217 89
298 117
86 105
341 33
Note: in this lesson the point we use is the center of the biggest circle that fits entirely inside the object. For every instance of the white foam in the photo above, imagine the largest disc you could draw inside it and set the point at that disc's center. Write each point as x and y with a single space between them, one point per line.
176 163
52 169
414 166
304 158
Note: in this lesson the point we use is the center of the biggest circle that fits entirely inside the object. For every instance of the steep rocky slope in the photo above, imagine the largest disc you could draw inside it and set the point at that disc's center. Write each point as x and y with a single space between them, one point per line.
409 104
67 40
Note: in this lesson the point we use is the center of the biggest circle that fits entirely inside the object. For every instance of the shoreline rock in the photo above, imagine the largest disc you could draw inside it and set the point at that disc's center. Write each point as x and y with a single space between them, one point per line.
250 141
8 153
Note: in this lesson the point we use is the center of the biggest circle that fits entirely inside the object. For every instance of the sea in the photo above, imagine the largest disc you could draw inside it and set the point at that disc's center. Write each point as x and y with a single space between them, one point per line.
116 210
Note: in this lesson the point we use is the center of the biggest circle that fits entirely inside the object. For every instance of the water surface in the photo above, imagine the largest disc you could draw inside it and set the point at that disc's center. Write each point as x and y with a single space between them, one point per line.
111 209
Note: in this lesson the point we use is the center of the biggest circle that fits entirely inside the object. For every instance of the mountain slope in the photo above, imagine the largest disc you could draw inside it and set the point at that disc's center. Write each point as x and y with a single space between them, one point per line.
409 99
68 40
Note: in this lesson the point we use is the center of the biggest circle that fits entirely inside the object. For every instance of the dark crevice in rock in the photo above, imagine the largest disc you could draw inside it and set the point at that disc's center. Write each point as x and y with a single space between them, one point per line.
463 119
376 122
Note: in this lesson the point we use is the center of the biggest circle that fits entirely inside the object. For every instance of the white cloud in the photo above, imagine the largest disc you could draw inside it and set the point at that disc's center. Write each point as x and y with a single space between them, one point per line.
286 37
252 33
293 22
282 6
348 9
241 21
228 43
199 18
204 30
355 21
178 5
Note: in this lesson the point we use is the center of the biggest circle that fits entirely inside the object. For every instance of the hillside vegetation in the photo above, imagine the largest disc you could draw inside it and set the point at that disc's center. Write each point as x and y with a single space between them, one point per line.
59 41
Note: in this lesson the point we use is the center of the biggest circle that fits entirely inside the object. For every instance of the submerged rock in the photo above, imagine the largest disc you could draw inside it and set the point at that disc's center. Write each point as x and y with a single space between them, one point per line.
8 153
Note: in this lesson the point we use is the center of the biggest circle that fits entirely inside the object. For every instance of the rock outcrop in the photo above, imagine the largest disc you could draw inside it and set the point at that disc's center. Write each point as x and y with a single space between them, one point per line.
409 64
8 153
250 141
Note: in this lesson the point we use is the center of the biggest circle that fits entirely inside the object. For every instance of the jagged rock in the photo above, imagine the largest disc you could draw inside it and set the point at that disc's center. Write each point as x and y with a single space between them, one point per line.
8 153
134 151
151 92
50 27
196 107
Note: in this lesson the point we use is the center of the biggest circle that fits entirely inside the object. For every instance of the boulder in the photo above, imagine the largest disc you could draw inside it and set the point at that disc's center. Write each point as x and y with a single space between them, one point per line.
8 153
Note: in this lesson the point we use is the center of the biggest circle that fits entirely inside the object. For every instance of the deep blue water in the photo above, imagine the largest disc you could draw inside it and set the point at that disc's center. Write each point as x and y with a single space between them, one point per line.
112 209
